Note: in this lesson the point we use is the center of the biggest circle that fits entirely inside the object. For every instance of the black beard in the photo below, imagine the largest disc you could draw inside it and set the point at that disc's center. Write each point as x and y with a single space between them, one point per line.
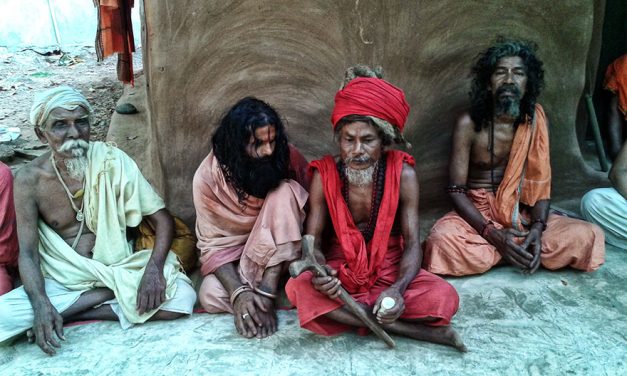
509 105
263 176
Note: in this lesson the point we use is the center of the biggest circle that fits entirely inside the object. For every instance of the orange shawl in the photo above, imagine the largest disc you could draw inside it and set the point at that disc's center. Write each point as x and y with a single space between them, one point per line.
361 268
616 82
527 177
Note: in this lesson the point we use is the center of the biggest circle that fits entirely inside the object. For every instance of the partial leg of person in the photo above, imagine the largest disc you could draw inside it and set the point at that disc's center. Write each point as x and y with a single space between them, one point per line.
100 304
606 208
16 312
455 248
572 242
325 316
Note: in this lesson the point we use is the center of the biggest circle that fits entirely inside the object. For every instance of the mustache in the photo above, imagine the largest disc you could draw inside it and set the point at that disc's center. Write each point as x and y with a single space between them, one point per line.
74 144
359 160
511 88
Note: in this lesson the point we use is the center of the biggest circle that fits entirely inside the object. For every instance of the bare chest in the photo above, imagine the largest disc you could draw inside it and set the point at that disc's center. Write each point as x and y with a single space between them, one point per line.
360 204
55 208
481 156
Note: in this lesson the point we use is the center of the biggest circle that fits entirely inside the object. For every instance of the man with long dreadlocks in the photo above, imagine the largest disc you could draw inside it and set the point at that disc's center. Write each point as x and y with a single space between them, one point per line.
249 199
370 194
73 206
500 179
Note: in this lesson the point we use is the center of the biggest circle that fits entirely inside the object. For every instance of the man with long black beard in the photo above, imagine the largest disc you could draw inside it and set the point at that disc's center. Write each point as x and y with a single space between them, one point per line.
249 200
500 179
74 204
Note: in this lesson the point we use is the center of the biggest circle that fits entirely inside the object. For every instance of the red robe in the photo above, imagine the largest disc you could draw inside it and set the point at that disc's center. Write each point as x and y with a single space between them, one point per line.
367 269
8 233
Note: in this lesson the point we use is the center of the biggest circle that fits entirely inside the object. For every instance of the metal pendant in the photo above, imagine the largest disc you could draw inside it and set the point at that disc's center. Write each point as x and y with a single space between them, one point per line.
79 216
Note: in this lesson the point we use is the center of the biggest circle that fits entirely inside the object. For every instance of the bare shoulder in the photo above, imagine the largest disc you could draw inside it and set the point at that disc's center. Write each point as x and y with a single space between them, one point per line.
409 174
464 127
409 184
27 177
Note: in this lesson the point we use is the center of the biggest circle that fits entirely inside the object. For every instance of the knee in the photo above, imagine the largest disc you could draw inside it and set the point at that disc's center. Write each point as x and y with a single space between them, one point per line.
296 285
590 202
443 297
448 297
593 204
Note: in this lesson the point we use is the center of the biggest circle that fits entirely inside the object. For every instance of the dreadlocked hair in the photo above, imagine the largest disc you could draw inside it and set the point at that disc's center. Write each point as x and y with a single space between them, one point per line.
481 107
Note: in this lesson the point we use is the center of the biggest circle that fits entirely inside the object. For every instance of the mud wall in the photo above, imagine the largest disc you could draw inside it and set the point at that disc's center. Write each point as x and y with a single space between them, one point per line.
202 56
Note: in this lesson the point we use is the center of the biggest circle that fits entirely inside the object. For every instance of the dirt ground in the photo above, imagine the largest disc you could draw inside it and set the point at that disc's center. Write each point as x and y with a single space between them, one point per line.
28 71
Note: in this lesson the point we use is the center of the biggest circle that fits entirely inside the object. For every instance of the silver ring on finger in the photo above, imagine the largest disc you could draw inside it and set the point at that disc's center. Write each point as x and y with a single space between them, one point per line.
245 316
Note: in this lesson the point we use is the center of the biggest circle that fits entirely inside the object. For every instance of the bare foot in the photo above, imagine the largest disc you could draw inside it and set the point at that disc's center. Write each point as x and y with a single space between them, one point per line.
455 339
445 335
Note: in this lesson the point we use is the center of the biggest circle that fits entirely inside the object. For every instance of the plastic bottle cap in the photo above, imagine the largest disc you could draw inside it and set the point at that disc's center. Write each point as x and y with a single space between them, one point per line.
388 303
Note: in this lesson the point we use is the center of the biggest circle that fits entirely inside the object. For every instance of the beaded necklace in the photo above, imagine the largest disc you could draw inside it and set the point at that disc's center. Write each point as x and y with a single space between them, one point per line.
377 194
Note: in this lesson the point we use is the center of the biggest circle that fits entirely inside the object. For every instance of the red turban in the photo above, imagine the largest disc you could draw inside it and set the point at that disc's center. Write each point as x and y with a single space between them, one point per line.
371 97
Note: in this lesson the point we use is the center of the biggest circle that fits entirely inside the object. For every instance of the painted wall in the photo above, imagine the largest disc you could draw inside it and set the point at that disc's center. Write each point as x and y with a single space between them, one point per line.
202 56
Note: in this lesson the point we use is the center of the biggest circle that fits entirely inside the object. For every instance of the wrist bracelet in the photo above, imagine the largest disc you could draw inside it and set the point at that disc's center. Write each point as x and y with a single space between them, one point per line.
265 293
539 220
237 292
456 189
485 227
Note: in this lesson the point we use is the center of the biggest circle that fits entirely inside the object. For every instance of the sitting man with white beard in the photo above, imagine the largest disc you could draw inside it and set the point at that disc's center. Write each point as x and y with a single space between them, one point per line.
73 206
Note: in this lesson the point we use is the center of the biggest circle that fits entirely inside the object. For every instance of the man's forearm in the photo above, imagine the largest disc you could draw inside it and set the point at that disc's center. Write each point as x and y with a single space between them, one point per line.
228 277
540 213
164 235
270 279
621 184
409 267
468 211
33 280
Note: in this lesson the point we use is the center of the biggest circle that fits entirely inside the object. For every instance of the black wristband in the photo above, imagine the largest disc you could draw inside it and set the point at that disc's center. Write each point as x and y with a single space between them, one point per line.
456 189
539 220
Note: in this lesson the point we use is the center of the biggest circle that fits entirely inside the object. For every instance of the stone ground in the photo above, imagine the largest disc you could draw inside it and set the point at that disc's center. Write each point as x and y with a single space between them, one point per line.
552 323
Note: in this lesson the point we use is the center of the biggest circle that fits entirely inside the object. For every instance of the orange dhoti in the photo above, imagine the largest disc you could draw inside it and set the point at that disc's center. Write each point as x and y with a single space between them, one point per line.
455 248
427 296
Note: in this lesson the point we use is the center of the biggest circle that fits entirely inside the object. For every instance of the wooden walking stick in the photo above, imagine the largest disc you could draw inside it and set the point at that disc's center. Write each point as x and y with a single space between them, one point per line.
308 262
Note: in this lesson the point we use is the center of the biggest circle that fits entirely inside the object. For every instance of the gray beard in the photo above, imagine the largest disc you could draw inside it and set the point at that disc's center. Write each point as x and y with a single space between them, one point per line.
507 107
359 178
77 166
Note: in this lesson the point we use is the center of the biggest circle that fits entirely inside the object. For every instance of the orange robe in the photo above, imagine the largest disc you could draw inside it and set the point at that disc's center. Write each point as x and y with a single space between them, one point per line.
366 270
257 234
616 82
8 232
115 34
455 248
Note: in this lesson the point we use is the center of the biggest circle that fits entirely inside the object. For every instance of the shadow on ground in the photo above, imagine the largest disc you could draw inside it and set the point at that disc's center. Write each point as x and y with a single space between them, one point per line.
552 323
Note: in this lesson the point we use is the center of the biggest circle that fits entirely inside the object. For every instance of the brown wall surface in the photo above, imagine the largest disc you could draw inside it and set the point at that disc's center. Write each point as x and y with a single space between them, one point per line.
202 56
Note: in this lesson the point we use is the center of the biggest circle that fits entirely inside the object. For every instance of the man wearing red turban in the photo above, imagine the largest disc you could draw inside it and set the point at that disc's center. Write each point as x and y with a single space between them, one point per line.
371 195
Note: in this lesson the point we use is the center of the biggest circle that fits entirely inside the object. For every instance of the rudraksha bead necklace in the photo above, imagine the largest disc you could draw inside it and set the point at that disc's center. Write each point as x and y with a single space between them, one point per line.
377 194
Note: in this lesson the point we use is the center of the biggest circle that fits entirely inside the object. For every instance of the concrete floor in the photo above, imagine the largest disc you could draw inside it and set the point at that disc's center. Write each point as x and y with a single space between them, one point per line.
551 323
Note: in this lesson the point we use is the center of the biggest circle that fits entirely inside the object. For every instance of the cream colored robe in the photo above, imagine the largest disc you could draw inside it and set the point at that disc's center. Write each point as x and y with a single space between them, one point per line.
117 196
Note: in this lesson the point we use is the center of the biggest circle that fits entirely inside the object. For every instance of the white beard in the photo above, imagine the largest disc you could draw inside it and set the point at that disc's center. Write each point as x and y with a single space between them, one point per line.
359 178
77 166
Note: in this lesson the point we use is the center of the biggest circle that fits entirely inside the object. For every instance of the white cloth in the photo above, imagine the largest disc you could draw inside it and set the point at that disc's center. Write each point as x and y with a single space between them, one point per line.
16 312
608 209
